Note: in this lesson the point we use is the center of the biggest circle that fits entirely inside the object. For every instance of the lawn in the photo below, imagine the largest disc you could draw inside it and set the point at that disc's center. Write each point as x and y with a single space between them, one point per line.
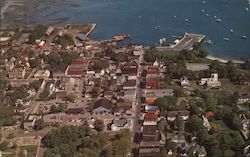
31 150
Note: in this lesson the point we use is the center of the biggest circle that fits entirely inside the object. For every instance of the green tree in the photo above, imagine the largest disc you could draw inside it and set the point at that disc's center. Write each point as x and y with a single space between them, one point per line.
233 121
65 40
99 125
107 152
67 150
237 140
44 95
62 107
67 57
4 145
11 136
39 124
34 63
179 123
122 147
178 92
95 92
53 109
52 152
71 97
166 103
162 125
37 33
36 84
170 145
224 139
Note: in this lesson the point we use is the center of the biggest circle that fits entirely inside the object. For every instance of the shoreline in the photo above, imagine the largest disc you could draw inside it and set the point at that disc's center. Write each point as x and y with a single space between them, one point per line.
4 7
224 60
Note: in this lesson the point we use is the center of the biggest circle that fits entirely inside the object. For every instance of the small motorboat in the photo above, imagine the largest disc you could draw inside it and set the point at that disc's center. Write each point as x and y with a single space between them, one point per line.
210 42
218 20
231 30
247 9
226 39
244 37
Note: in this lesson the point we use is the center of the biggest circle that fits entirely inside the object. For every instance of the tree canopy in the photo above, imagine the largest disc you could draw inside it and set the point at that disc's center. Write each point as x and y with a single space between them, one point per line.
79 141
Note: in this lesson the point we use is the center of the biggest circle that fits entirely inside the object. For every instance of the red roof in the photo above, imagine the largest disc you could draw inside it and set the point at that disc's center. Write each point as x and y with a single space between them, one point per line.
77 61
152 82
210 114
150 116
75 71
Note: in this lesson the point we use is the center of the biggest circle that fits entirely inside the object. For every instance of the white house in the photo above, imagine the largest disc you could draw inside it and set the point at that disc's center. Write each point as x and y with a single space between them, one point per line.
120 124
212 81
206 123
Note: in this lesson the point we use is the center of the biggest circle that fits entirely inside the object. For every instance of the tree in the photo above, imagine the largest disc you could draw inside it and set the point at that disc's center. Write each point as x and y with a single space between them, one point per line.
67 150
170 145
36 84
107 152
196 124
224 139
4 145
11 136
179 123
37 33
233 121
162 125
166 103
95 91
65 40
44 95
99 125
52 153
122 147
39 124
215 152
61 107
237 140
67 57
34 63
53 109
71 97
178 92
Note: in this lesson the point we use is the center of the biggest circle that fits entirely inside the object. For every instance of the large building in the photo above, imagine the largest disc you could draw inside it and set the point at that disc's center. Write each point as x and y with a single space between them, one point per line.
16 73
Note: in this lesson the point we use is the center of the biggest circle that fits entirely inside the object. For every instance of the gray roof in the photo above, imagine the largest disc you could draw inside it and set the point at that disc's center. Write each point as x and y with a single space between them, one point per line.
121 122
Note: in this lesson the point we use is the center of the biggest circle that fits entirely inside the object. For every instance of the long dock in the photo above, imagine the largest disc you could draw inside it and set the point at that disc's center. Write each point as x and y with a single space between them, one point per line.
91 29
186 43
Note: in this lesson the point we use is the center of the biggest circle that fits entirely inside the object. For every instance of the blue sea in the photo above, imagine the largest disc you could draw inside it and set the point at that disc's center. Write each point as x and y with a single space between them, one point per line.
175 17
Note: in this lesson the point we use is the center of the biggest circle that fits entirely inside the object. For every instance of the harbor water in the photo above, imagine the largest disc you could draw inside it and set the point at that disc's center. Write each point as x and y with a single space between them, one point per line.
217 19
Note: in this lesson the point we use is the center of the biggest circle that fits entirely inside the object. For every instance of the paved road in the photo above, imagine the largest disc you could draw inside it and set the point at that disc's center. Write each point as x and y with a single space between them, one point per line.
136 127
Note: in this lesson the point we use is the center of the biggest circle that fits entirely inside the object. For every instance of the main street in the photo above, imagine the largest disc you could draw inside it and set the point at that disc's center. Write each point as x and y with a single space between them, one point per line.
136 129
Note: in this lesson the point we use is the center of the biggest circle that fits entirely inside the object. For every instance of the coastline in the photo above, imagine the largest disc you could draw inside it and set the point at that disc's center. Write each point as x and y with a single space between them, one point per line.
4 7
224 60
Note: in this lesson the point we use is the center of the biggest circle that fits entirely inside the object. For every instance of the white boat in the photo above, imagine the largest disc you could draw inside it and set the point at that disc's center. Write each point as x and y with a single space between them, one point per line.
207 14
231 30
218 20
186 20
244 37
226 39
203 2
203 10
247 9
